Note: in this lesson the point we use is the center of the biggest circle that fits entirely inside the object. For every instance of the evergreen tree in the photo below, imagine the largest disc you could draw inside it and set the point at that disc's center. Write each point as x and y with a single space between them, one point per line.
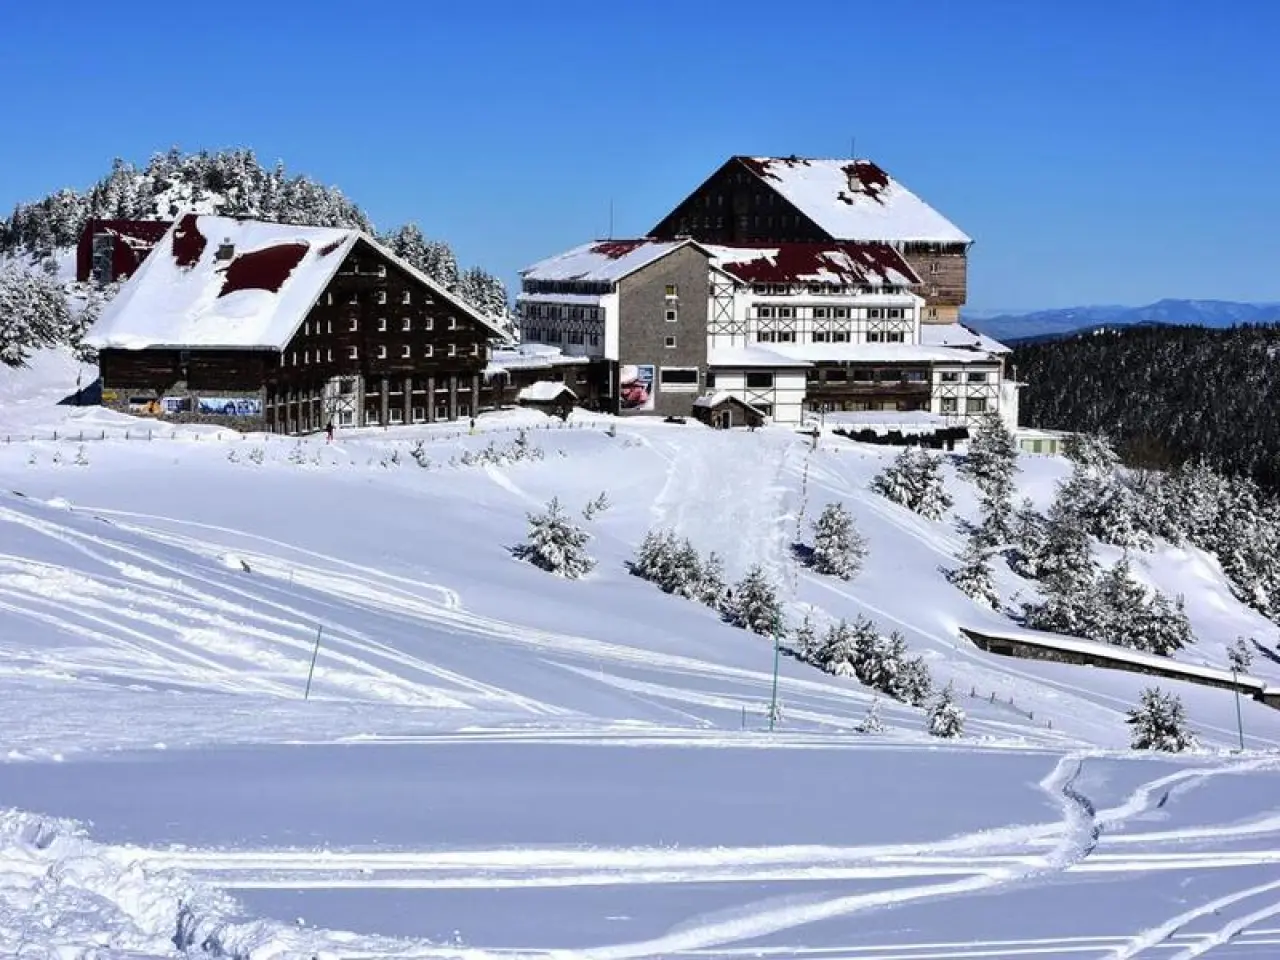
1159 723
946 719
871 723
556 545
991 463
711 586
1029 535
914 481
838 651
33 315
755 604
838 547
1240 656
973 576
804 642
685 579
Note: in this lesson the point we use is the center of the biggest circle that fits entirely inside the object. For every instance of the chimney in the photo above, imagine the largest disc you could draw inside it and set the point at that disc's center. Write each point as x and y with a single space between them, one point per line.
226 250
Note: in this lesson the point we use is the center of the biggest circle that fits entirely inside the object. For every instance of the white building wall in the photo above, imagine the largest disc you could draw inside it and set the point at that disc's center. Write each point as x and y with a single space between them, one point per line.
785 397
955 382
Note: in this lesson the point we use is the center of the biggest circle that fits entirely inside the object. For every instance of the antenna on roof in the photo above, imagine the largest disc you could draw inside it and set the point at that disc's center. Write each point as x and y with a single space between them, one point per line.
610 236
853 148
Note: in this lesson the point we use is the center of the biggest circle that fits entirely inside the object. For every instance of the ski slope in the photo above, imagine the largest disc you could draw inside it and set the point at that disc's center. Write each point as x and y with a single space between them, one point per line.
491 761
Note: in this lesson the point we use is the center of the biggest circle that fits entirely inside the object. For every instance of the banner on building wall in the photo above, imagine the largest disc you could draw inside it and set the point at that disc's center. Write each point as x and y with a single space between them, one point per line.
172 406
230 406
635 386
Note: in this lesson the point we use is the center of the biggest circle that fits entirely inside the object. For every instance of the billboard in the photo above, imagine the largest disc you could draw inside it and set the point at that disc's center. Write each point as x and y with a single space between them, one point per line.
635 386
230 406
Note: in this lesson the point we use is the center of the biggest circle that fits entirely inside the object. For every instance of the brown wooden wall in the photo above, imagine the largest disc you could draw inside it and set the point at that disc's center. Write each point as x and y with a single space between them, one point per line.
944 279
163 371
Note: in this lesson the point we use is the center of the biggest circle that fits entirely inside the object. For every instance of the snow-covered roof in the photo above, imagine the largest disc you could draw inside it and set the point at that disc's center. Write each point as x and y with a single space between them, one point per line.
854 200
847 264
960 336
876 353
603 261
183 295
544 391
529 356
1107 651
736 357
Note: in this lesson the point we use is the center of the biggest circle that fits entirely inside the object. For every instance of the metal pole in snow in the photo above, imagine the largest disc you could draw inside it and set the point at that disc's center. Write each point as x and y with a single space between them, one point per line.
1239 717
314 653
773 698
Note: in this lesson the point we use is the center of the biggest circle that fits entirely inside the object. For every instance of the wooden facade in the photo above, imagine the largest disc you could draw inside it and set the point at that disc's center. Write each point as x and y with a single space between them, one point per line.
735 206
866 387
378 347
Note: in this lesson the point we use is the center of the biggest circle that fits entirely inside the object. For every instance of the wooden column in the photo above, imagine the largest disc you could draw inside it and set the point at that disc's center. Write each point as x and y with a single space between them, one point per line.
408 399
453 396
431 398
386 401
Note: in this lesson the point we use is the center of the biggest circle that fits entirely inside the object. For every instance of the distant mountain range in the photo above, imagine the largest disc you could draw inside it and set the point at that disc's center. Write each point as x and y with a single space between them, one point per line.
1043 324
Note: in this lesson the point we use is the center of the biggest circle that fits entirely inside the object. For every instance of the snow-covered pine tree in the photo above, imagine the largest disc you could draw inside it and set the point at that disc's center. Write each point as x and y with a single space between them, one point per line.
946 719
33 315
1240 655
409 244
973 576
653 556
755 605
991 463
556 545
838 547
1091 451
685 578
711 584
871 723
1103 506
914 481
804 642
838 650
1159 723
1029 536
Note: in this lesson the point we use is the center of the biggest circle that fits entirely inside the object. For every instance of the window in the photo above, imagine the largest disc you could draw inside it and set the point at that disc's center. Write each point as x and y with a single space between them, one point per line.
353 353
914 376
576 336
890 376
863 375
382 272
975 376
475 349
950 376
678 379
669 343
759 379
328 355
453 323
453 349
419 414
382 324
672 291
328 299
406 297
428 350
786 313
306 328
765 313
395 415
821 313
328 326
382 353
594 339
894 313
347 385
382 295
406 323
672 315
355 324
837 376
975 405
442 412
406 352
711 379
932 313
353 296
346 418
429 323
933 266
950 405
293 358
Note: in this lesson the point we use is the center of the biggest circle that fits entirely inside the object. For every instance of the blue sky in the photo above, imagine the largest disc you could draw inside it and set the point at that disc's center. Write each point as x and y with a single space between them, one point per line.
1098 152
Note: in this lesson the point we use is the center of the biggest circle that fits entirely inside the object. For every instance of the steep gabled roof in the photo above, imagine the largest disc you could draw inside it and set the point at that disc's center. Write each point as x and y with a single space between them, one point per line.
184 296
604 261
853 200
848 264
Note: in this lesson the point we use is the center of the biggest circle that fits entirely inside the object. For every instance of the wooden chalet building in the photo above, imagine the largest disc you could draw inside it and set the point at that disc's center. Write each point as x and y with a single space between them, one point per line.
758 201
281 327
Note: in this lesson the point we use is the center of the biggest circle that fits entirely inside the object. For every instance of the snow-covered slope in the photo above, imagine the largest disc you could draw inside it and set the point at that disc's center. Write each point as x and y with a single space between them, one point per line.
494 758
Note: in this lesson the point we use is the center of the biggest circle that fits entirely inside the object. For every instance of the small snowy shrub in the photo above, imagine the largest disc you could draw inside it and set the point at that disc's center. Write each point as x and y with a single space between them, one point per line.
597 506
838 547
871 723
82 459
914 481
946 719
257 454
297 455
556 545
1240 655
233 456
1159 723
755 605
419 453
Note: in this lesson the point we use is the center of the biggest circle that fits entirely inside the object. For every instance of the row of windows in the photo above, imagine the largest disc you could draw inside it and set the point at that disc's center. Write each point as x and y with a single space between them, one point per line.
768 335
565 311
971 405
833 313
553 335
426 351
822 289
353 325
359 296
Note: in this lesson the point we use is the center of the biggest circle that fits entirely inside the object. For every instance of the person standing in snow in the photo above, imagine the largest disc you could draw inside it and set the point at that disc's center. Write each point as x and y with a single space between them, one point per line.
328 432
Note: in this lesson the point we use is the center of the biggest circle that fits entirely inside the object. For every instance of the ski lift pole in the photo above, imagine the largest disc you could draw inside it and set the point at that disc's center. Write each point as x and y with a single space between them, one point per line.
314 654
773 697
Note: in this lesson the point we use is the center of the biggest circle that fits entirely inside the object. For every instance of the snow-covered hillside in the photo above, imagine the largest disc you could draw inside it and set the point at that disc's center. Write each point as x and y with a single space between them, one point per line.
493 759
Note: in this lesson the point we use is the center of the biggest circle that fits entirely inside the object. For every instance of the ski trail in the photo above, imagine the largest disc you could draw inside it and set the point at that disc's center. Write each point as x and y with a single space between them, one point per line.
1153 938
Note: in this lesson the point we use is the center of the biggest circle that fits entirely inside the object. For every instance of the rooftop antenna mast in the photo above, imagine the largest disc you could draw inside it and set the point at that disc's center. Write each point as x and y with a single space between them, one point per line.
610 237
853 148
